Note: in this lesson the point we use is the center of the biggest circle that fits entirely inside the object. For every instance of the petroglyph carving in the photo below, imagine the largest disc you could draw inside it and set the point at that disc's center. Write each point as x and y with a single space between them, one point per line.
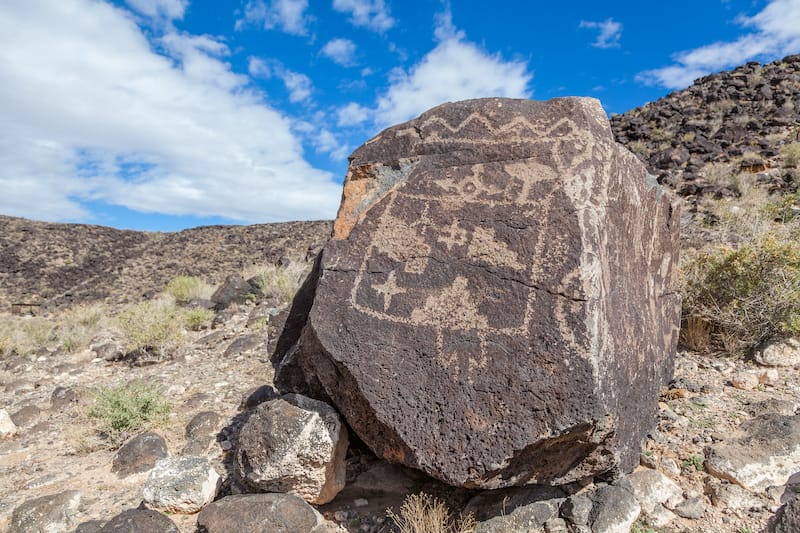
499 311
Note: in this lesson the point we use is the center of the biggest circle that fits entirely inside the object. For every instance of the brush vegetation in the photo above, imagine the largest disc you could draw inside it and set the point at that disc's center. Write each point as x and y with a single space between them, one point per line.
744 289
422 513
121 410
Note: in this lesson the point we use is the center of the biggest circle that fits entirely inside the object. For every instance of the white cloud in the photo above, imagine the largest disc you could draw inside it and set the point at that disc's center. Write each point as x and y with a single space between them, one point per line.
609 35
340 51
455 69
118 123
372 14
298 85
169 9
287 15
775 33
352 114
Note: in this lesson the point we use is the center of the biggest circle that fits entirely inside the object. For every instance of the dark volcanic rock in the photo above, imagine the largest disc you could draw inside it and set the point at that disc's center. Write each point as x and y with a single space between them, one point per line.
246 513
139 454
138 521
496 307
47 513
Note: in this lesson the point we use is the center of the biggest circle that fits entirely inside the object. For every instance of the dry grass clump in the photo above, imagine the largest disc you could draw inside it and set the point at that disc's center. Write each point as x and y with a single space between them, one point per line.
422 513
78 325
187 288
25 335
69 330
281 282
153 326
121 410
791 155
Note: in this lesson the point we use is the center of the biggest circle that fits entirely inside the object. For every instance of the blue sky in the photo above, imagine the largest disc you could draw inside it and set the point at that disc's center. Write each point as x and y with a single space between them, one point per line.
167 114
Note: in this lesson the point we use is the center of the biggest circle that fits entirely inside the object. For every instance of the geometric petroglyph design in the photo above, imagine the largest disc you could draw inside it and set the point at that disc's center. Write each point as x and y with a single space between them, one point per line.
438 230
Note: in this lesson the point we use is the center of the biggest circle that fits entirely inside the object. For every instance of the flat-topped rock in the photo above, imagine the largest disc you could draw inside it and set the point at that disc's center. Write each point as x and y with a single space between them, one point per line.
496 306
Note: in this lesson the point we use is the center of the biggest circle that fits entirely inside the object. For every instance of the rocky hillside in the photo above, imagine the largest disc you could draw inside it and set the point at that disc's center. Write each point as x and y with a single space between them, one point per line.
57 264
746 120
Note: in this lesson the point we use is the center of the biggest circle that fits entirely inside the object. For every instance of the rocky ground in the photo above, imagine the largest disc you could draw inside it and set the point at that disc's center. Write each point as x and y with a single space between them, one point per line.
224 372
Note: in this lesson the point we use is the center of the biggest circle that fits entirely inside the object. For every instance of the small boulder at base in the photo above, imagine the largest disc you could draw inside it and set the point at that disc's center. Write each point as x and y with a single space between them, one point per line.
779 353
139 454
497 305
55 512
181 485
766 453
246 513
294 444
139 521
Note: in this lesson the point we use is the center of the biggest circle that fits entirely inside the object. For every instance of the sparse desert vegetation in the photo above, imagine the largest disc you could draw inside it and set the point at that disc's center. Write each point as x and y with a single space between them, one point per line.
120 410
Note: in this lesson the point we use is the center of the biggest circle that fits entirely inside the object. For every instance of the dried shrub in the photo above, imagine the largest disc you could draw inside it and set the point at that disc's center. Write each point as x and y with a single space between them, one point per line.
281 282
791 155
746 294
422 513
154 327
78 325
187 288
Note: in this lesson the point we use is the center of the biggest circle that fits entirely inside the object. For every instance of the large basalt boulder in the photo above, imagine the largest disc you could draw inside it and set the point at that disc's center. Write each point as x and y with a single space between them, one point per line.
496 306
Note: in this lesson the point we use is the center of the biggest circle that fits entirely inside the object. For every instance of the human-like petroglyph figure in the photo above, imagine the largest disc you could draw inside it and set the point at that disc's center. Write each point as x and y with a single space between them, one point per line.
496 306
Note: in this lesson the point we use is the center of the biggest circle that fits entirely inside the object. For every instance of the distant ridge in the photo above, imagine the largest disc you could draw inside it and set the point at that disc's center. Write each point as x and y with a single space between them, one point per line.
58 264
742 117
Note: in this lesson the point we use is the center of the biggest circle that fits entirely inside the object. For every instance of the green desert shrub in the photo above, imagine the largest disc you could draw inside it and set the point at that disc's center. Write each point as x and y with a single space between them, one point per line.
124 409
784 209
744 295
187 288
197 319
153 326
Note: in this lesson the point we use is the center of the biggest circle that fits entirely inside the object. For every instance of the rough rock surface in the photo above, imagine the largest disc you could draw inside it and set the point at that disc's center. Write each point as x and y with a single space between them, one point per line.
787 519
496 265
7 427
245 513
52 513
294 444
138 521
139 454
181 485
781 353
767 453
614 511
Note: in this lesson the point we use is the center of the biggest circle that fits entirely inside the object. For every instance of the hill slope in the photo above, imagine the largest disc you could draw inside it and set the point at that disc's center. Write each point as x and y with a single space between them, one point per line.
56 264
742 120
